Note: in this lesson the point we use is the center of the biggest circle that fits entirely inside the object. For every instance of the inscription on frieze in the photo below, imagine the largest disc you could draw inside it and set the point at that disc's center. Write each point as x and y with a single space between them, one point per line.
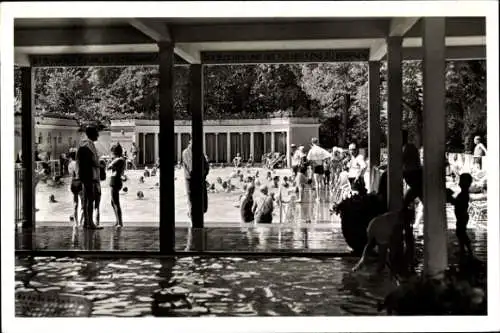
282 56
101 59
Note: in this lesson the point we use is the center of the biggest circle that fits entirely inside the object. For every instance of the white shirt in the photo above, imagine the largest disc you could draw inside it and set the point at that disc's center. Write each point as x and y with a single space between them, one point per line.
72 169
317 155
297 157
356 165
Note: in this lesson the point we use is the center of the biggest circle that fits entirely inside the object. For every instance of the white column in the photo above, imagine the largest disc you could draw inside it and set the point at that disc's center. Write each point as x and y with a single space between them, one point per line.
265 145
157 146
395 135
434 138
252 144
288 144
179 147
216 147
374 121
272 142
143 148
228 147
205 143
241 145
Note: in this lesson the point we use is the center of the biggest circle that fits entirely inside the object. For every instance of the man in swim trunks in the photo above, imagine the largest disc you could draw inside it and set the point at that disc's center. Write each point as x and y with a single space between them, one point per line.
316 157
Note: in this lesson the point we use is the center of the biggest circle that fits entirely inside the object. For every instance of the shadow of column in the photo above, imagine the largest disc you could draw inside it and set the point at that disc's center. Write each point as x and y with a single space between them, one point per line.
162 299
28 241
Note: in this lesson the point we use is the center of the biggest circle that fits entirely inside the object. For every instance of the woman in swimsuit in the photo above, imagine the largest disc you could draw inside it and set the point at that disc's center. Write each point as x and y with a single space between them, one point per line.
117 166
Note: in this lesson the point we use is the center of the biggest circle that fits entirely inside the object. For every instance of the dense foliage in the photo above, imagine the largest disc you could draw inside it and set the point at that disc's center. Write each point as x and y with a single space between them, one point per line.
337 93
461 292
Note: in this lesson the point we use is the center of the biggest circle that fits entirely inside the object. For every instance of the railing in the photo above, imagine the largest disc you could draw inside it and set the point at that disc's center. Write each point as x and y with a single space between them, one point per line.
54 167
20 172
19 176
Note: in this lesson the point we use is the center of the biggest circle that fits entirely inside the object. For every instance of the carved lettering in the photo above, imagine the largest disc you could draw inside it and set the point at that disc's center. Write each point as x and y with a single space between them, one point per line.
283 56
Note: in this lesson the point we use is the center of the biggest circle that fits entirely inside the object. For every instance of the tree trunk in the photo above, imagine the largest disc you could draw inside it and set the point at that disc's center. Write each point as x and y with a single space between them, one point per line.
345 119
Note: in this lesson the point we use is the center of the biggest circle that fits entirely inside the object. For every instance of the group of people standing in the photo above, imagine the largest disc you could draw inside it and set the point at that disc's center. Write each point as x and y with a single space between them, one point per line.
87 171
323 168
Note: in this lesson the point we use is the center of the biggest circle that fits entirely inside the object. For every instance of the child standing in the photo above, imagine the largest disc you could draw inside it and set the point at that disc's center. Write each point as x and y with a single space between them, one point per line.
117 166
461 203
76 186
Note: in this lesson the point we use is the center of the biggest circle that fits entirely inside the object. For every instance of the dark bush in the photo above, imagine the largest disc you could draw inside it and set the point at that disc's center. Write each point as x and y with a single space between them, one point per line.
356 213
461 292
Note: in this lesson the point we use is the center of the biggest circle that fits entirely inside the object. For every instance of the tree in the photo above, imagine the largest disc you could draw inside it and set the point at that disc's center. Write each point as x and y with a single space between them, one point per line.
466 102
61 91
276 88
336 87
227 91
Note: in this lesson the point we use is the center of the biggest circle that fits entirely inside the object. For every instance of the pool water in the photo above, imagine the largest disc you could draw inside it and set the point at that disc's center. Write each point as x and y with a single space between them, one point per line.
195 286
222 206
215 286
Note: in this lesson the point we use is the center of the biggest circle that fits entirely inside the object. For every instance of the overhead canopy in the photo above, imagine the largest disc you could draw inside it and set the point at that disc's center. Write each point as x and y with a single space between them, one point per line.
125 41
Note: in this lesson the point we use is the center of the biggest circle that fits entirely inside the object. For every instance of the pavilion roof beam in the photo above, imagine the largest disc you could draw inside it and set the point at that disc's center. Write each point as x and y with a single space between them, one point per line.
469 52
456 27
160 32
399 27
29 37
155 30
21 59
280 31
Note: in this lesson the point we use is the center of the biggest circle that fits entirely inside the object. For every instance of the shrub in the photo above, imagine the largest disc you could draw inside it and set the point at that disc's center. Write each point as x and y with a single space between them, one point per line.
461 292
356 213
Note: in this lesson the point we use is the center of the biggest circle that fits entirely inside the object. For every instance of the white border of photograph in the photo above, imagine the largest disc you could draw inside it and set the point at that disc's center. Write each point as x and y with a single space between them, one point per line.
9 11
